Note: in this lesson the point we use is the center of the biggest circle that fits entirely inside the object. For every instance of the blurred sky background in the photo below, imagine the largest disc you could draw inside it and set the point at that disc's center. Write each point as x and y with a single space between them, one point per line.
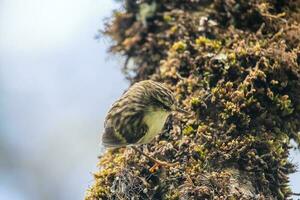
56 85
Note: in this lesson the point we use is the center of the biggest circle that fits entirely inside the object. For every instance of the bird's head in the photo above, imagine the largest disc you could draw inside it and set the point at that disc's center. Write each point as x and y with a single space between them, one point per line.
164 98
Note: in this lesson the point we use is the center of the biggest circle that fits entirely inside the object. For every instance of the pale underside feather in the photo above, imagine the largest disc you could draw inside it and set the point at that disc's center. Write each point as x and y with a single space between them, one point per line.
155 120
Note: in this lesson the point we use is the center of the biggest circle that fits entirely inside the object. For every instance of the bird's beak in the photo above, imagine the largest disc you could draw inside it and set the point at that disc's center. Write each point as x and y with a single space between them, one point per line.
181 110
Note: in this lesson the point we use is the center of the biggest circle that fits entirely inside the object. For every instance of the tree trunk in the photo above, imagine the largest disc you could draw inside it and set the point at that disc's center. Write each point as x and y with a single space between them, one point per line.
234 65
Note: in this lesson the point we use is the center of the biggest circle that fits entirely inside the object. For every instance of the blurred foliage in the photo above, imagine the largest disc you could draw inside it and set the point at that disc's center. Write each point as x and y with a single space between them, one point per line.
234 64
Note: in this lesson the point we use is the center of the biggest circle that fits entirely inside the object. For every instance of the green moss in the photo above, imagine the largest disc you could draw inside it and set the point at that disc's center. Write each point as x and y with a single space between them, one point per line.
203 41
200 150
179 46
195 102
167 18
282 102
173 195
242 94
188 130
232 58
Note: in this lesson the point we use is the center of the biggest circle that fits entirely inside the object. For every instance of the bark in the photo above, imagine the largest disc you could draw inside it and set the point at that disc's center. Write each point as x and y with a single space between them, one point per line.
234 65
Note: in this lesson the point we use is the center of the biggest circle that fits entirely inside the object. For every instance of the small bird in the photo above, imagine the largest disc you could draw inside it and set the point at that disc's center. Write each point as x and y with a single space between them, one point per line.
138 116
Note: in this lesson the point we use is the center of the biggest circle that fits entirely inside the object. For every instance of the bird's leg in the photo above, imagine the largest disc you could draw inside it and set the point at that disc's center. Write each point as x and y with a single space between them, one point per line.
157 162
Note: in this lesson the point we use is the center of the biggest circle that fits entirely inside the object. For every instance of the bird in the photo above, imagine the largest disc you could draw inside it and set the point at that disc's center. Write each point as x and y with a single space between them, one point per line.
138 116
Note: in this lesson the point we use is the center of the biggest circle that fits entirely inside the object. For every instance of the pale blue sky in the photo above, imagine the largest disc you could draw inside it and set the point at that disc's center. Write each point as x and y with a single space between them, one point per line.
56 84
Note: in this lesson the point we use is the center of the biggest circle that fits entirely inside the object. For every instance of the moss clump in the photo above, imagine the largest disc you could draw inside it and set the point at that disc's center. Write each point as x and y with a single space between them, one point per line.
188 130
178 46
201 151
234 65
111 164
203 41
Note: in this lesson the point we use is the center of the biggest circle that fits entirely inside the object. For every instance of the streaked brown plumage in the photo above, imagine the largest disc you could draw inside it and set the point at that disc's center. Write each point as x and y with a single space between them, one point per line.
139 115
125 122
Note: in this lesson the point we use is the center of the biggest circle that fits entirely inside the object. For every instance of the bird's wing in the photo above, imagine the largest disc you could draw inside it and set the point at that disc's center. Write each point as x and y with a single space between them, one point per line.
133 128
124 123
112 139
129 130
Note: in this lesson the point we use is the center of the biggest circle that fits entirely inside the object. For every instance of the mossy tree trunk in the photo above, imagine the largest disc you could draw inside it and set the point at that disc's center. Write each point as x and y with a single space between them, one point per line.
234 65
